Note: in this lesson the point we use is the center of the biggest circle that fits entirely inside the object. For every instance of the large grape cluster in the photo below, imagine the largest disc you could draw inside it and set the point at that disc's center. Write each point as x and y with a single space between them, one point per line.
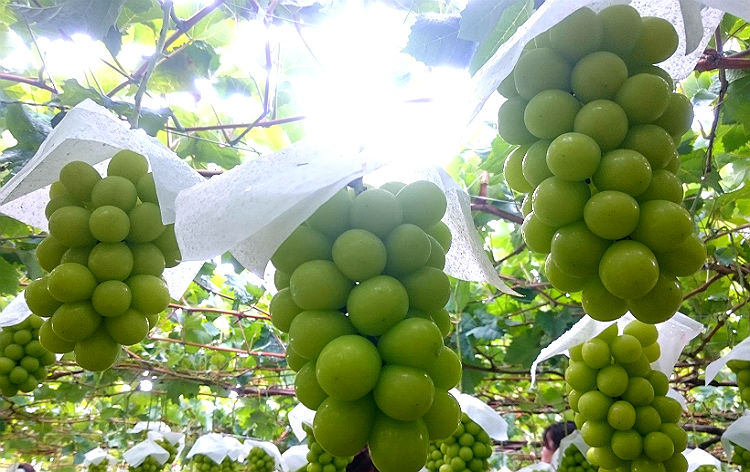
468 448
260 461
23 360
100 467
574 461
203 463
148 465
362 294
105 254
742 370
741 457
596 123
620 403
319 460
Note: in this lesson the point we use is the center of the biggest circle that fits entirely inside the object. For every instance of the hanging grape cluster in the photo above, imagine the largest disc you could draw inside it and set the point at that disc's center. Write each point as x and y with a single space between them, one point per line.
620 403
170 448
203 463
741 458
100 467
319 460
260 461
596 125
362 294
468 448
105 254
742 370
148 465
23 360
574 461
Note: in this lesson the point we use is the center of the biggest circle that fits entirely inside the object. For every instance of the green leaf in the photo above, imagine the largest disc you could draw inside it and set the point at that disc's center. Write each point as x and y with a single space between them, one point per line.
524 348
513 17
479 18
177 388
434 41
13 159
197 60
736 107
8 277
28 127
215 29
74 93
93 17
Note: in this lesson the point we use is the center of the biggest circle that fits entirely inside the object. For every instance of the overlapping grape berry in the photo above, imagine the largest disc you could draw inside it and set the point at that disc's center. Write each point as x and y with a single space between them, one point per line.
596 123
741 457
574 461
468 448
361 294
319 460
105 254
620 403
100 467
260 461
148 465
742 370
23 360
203 463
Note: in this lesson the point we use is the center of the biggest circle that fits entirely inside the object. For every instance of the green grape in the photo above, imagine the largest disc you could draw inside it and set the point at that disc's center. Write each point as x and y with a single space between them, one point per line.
534 163
127 329
507 87
599 303
167 244
573 156
513 170
377 211
260 461
145 223
294 360
597 433
428 289
403 393
628 269
663 225
443 416
611 214
359 254
557 202
109 224
128 164
658 446
468 448
311 330
283 310
376 304
116 191
445 371
38 298
75 321
100 467
442 234
423 203
678 117
595 353
414 342
52 342
408 249
437 254
510 123
147 259
347 368
659 382
653 142
741 457
645 333
561 280
621 415
148 465
622 27
604 121
550 113
669 409
111 298
623 170
150 294
59 202
396 446
676 434
319 284
170 448
281 279
71 283
577 251
660 303
657 42
540 69
79 178
334 416
443 321
640 392
594 405
111 261
78 255
625 348
612 380
57 189
393 187
97 352
644 97
664 185
146 188
580 376
49 252
70 226
316 453
537 235
647 419
598 76
577 35
627 445
540 41
307 388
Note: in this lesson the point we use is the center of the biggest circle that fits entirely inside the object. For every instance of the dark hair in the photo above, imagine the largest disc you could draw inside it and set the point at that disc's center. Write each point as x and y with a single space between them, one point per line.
554 433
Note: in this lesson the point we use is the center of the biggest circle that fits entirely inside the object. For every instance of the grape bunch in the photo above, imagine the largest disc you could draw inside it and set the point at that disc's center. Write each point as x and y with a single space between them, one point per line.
706 468
203 463
260 461
574 461
468 448
100 467
596 124
148 465
362 294
741 457
620 403
105 254
169 447
319 460
742 370
23 360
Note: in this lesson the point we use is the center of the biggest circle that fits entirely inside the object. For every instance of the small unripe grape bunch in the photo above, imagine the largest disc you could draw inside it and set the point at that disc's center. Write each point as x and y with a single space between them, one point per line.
362 293
148 465
170 448
574 461
105 254
596 124
468 448
260 461
203 463
319 460
23 359
741 457
100 467
620 402
706 468
742 370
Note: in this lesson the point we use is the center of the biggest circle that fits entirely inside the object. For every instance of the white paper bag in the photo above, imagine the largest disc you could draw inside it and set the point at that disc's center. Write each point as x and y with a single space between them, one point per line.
298 416
138 453
698 457
740 352
270 448
737 433
96 456
295 457
573 439
483 415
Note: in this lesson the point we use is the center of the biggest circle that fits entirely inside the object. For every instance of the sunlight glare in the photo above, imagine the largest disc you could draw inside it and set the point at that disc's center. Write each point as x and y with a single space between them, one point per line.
71 58
145 386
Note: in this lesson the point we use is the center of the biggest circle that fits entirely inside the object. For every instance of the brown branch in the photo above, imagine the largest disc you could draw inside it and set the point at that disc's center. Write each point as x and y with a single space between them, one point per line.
729 231
717 108
704 286
712 59
239 314
217 348
487 208
27 80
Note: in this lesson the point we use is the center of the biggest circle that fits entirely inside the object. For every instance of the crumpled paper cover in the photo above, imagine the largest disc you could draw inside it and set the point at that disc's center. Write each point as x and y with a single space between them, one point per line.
92 134
138 453
158 426
737 433
97 456
740 352
698 457
269 447
674 334
483 415
574 439
173 437
251 209
298 416
217 447
694 20
295 457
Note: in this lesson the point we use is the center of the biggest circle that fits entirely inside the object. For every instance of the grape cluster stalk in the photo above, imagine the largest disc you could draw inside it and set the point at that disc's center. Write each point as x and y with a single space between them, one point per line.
23 359
362 294
596 124
105 254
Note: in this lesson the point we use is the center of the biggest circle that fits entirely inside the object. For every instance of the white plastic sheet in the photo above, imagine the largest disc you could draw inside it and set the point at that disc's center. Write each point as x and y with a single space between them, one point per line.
96 456
138 453
694 21
698 457
740 352
298 416
573 439
483 415
295 457
269 447
737 433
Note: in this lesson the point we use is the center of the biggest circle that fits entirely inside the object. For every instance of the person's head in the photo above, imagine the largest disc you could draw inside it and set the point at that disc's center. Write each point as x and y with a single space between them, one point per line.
552 436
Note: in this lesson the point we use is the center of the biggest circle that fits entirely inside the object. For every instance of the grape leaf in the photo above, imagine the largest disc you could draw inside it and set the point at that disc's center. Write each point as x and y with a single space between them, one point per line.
93 17
513 17
524 348
479 18
178 388
8 277
434 41
27 126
